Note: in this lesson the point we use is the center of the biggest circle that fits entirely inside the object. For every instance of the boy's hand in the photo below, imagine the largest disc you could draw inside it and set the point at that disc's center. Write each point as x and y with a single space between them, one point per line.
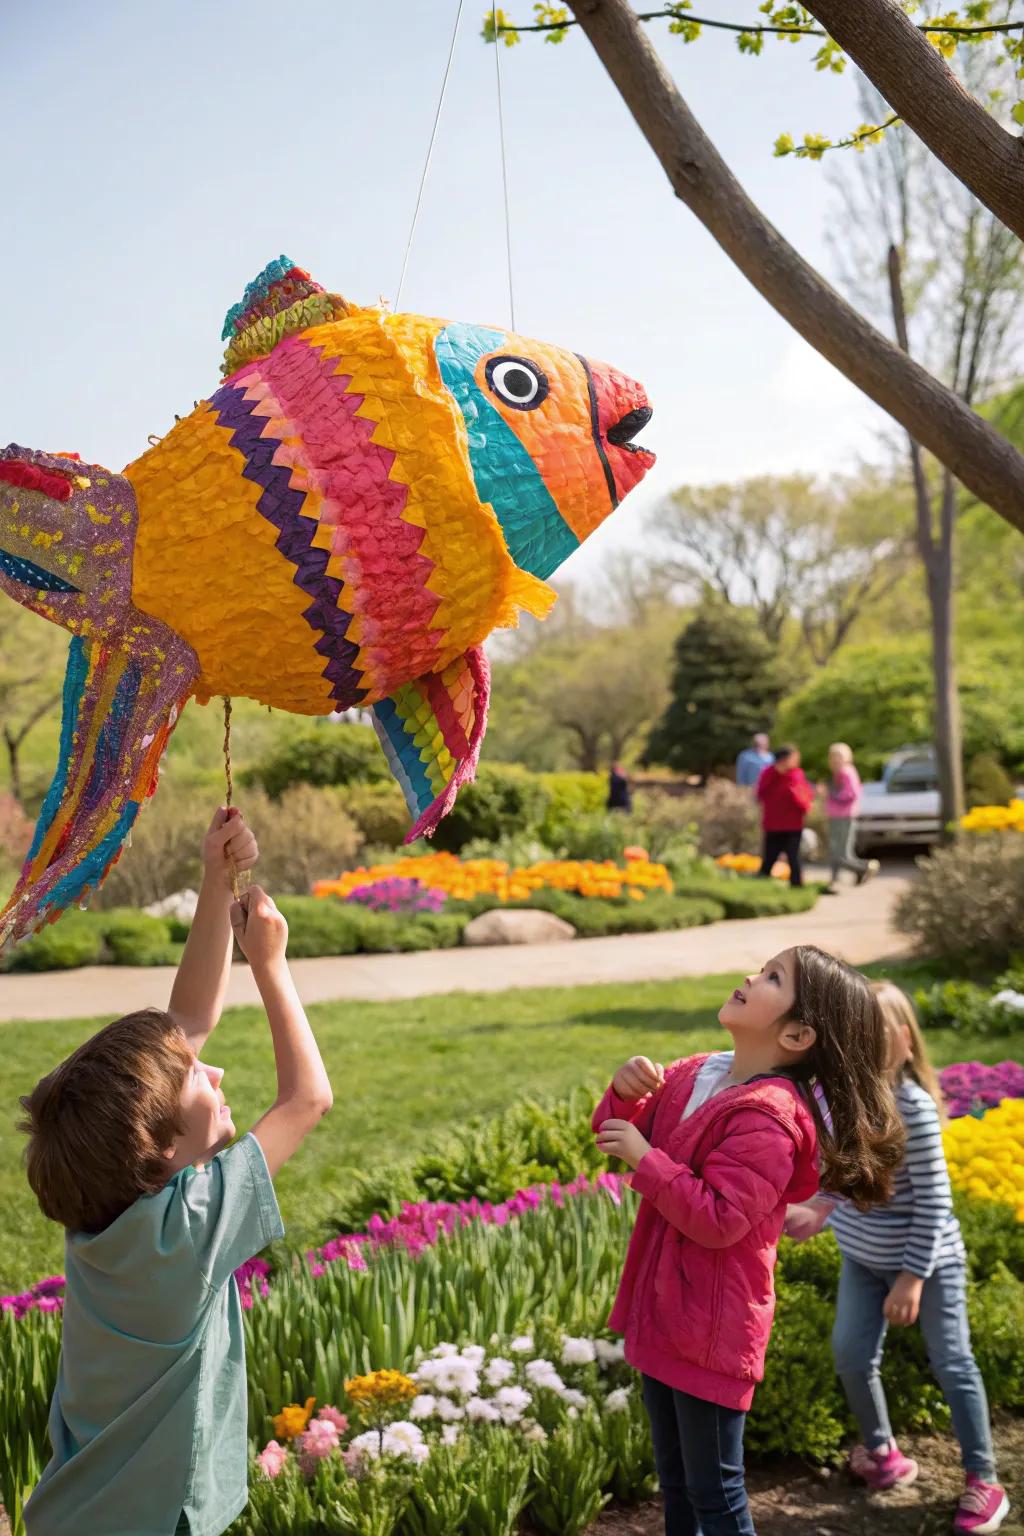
617 1138
228 842
903 1302
259 928
638 1077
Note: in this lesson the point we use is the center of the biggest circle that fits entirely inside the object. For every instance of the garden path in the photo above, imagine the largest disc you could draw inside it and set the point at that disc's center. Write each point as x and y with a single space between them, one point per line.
855 925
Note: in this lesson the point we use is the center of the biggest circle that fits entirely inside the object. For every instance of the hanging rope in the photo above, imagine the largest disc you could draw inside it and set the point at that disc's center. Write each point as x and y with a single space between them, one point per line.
504 166
239 877
430 151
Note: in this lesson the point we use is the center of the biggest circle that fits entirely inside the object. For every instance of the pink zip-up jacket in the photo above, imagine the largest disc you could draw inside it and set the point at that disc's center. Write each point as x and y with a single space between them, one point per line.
844 793
697 1294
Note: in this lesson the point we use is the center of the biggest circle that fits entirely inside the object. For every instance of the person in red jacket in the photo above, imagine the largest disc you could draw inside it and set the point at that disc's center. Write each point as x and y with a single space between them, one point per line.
720 1144
786 797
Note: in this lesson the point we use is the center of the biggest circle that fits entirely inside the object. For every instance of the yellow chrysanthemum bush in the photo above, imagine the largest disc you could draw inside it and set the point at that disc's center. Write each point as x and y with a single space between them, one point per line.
465 879
995 818
986 1155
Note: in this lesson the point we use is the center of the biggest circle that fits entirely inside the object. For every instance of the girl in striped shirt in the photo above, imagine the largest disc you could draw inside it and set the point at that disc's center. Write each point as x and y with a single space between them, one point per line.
904 1262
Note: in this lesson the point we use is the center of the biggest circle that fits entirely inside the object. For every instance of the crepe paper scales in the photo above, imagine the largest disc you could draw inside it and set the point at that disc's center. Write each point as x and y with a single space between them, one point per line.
343 522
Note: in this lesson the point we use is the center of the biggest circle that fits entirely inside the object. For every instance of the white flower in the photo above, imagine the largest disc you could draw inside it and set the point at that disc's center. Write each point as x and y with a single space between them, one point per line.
573 1398
474 1353
534 1431
450 1434
535 1369
522 1345
449 1411
403 1434
498 1370
577 1351
1009 999
512 1403
610 1352
617 1402
480 1408
423 1407
443 1351
574 1412
366 1444
450 1373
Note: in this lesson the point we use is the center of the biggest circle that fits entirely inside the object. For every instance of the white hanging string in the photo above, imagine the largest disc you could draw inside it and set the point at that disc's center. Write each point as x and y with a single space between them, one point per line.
430 151
504 163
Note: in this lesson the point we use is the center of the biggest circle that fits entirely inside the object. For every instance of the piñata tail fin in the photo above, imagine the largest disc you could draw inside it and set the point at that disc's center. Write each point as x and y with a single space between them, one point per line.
431 731
119 711
280 302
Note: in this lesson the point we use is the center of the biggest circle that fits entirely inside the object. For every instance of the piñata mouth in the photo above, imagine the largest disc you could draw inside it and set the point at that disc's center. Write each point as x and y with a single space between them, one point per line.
627 427
31 575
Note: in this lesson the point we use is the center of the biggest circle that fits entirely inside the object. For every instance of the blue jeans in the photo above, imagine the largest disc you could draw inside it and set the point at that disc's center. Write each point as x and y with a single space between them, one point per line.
698 1451
858 1337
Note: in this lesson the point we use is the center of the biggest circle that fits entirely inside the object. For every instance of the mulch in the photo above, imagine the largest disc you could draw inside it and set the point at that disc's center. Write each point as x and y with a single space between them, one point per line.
802 1501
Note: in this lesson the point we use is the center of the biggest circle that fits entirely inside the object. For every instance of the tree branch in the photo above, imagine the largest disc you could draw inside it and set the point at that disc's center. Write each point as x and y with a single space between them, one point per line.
918 84
960 439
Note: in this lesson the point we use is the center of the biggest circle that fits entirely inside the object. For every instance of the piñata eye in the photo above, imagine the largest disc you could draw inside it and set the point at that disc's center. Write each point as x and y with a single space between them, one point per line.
517 381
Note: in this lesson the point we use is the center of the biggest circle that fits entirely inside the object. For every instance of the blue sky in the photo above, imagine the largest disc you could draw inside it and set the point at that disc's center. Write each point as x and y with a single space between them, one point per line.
157 155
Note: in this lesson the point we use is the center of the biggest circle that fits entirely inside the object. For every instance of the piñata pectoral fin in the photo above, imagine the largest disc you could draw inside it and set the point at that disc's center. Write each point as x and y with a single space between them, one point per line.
431 731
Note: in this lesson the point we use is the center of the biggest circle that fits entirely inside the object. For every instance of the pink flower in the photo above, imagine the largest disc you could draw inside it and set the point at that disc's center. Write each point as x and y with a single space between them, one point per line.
320 1438
332 1416
272 1458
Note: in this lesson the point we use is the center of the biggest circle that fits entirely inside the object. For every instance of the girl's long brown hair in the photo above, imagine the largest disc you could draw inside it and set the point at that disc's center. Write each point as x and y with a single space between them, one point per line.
849 1062
898 1012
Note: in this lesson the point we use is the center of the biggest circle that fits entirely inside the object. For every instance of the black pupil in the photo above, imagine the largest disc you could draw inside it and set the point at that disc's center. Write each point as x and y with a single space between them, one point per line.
518 382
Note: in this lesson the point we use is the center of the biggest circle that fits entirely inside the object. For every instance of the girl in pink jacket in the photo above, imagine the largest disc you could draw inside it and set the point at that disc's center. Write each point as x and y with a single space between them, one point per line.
720 1145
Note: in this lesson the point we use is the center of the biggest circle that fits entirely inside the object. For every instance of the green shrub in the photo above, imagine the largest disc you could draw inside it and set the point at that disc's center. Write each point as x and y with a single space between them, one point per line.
569 795
328 752
74 939
379 811
997 1326
993 1237
987 781
325 926
304 835
745 896
134 938
967 904
502 801
967 1007
799 1409
570 1470
164 853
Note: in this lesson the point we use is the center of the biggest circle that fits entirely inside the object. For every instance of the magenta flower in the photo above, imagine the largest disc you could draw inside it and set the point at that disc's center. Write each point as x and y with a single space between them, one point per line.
332 1416
319 1439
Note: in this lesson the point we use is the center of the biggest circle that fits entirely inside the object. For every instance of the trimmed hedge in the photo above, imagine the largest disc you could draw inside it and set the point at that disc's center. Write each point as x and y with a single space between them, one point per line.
746 896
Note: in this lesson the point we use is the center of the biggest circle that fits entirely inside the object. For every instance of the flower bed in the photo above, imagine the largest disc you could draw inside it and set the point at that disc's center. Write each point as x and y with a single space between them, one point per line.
465 879
995 818
750 864
986 1155
972 1087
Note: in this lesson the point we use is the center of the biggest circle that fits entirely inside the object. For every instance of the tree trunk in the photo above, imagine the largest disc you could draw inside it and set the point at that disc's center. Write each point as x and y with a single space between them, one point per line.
937 559
949 745
13 744
918 84
934 415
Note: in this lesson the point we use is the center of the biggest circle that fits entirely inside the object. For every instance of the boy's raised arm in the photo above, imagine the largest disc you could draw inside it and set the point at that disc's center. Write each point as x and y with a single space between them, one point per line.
303 1090
197 997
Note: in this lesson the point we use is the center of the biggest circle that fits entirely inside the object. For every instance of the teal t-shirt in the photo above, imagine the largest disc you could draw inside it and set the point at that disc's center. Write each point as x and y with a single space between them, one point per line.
148 1420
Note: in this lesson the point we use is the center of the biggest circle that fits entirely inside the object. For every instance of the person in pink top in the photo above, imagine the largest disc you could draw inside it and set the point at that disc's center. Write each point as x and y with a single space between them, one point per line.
841 806
720 1144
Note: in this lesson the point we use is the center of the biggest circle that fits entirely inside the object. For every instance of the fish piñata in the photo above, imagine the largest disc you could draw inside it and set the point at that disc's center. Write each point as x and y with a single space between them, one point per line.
343 522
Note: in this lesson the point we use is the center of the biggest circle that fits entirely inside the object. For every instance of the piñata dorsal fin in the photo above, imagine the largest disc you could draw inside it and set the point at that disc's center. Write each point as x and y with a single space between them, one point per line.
283 299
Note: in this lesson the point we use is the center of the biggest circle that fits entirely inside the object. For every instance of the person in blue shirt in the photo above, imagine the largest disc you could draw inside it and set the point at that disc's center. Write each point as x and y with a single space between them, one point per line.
753 760
131 1148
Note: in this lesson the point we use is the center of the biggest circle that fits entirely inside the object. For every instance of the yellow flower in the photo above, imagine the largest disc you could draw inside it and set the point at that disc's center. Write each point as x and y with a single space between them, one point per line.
291 1421
380 1389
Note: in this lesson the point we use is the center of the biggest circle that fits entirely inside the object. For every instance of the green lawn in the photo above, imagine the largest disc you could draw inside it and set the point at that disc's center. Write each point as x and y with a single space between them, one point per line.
402 1072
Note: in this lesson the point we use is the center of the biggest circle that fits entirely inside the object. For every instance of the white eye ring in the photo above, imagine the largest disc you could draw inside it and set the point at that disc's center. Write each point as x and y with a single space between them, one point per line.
517 382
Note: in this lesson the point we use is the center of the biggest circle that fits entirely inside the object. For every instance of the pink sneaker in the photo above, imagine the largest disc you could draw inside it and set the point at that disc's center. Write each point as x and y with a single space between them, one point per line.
887 1468
983 1507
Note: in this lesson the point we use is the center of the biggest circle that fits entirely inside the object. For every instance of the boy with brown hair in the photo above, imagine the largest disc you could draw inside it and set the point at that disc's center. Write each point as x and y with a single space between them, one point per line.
129 1151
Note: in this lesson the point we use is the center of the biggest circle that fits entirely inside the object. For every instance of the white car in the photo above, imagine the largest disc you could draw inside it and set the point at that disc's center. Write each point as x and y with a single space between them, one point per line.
903 806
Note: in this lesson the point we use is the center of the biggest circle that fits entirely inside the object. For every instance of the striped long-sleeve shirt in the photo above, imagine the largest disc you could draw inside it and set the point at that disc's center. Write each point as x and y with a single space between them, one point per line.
915 1230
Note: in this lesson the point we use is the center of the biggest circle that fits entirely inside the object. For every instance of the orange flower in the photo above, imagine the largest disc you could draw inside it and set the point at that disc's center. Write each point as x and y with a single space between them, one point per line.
291 1421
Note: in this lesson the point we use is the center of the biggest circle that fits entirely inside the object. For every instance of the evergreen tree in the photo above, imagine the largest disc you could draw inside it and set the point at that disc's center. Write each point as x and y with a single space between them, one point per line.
726 685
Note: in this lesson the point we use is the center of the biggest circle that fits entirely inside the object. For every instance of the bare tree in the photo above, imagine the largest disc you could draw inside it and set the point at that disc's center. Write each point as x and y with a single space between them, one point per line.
952 278
793 551
32 658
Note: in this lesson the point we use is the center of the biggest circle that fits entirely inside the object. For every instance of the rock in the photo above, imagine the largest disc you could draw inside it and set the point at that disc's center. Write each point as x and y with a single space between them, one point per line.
518 926
181 906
